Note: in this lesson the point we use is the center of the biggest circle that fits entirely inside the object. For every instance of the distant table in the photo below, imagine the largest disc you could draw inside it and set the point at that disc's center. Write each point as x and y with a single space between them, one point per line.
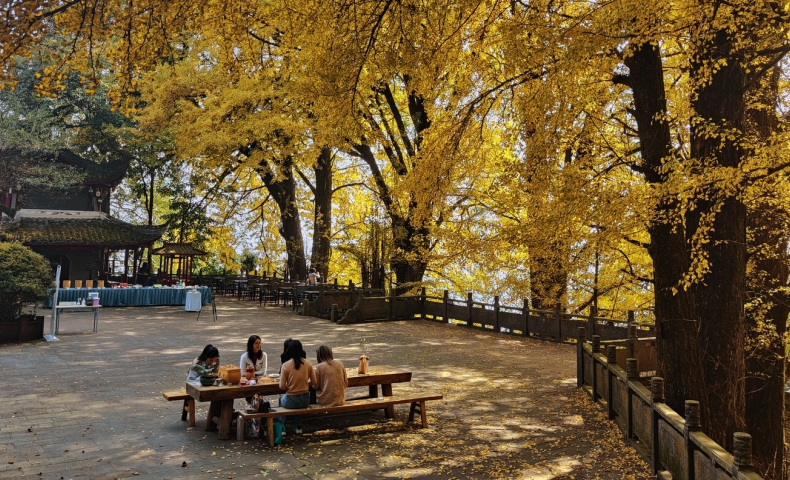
61 308
133 297
193 301
221 398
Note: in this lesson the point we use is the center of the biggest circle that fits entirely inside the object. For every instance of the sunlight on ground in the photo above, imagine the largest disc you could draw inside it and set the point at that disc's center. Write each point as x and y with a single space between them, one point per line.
557 467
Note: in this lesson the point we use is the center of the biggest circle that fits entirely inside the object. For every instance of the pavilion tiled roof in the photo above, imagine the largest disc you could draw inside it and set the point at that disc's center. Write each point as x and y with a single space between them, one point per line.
181 249
86 229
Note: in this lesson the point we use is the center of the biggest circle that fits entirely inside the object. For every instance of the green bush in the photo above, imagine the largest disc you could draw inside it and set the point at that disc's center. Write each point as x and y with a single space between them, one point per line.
25 277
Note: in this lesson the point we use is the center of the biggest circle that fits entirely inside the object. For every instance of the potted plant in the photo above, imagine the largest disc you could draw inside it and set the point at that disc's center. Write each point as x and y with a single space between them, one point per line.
25 277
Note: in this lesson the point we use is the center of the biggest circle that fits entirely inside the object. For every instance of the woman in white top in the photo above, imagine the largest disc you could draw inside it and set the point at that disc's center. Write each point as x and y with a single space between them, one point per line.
254 361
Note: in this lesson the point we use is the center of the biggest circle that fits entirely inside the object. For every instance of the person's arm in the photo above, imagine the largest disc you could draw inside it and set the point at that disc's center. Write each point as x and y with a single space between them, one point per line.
243 363
261 373
313 379
283 374
215 367
345 375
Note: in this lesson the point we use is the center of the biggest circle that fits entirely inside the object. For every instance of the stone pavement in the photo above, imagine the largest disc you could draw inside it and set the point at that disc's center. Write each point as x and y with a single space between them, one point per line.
91 406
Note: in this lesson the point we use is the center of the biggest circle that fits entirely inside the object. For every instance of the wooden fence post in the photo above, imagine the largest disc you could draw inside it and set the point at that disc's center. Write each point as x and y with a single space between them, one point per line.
596 348
591 319
632 374
445 314
496 313
742 454
526 318
611 360
558 318
469 309
580 338
693 424
422 304
333 313
657 397
632 341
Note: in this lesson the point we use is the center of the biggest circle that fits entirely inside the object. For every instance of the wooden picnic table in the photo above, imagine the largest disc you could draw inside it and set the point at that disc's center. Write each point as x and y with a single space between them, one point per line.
222 398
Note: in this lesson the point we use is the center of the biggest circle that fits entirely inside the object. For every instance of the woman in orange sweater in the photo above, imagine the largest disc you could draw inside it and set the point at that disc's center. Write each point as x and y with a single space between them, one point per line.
332 378
295 378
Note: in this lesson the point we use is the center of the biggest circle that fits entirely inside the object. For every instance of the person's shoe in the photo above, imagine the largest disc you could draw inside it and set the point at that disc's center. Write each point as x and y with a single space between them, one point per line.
297 431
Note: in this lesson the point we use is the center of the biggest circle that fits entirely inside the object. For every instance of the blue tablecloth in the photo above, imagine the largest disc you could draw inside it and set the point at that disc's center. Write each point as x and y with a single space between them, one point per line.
132 297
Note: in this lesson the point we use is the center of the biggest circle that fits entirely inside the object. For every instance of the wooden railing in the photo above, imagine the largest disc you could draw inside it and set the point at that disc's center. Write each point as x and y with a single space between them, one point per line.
676 447
358 306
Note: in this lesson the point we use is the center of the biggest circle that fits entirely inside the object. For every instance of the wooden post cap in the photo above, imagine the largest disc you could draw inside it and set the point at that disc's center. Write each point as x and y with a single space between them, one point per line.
657 389
742 453
693 416
611 354
630 369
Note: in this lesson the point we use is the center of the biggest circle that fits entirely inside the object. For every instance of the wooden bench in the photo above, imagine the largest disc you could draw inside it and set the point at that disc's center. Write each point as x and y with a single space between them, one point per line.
359 405
188 410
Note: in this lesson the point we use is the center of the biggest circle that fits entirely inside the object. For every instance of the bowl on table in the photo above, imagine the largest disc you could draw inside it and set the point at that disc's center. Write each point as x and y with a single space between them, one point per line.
207 381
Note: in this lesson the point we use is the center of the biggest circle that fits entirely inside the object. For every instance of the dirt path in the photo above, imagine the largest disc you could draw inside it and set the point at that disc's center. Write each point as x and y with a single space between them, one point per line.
90 406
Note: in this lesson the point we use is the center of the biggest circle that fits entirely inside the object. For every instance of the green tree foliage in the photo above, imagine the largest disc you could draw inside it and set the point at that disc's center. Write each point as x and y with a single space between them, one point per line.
25 277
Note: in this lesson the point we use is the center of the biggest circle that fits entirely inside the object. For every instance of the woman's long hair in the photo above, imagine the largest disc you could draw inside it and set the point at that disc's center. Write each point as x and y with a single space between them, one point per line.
209 351
296 353
324 354
250 344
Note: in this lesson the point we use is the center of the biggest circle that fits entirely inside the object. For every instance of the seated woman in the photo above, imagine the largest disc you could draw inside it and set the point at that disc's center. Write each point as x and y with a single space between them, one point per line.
253 362
295 379
332 378
208 359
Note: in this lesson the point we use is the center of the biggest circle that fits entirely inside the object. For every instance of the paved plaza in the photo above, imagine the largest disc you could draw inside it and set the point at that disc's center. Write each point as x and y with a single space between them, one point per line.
91 406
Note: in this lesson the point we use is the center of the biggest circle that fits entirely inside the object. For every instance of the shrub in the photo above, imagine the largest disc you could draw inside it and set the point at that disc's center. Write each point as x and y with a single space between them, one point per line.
25 277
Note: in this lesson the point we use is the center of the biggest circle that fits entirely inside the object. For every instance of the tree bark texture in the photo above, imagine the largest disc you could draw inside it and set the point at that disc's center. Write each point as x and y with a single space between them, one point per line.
548 276
720 105
768 304
322 217
283 190
676 324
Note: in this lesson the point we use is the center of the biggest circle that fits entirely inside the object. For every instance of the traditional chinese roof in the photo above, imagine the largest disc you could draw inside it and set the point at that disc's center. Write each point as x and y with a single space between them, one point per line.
108 173
178 249
76 229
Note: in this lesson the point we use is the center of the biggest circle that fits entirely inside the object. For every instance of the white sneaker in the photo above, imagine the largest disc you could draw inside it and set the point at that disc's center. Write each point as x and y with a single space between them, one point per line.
297 431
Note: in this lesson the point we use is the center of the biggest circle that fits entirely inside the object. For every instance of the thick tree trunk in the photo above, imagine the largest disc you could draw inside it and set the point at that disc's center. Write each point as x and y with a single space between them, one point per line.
283 191
674 307
719 106
548 276
408 259
322 219
768 305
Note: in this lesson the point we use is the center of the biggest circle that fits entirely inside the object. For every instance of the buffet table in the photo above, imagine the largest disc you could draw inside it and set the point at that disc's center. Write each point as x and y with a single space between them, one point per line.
133 297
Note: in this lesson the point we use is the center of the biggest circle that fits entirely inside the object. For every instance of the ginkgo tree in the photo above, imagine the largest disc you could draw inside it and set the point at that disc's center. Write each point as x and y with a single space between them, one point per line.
551 137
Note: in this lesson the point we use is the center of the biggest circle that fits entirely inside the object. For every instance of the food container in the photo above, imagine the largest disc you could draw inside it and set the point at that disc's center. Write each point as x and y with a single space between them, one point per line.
230 373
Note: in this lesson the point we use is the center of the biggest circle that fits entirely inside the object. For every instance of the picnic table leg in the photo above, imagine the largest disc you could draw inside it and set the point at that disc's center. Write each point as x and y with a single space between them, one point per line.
386 390
191 411
373 391
213 411
225 419
270 430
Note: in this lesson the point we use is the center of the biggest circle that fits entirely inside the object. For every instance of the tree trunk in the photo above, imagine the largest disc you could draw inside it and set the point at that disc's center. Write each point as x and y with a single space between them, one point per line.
768 305
548 276
408 259
676 343
719 106
322 219
283 191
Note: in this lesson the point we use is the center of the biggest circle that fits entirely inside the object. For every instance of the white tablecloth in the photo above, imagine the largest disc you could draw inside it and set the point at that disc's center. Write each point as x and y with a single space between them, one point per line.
193 302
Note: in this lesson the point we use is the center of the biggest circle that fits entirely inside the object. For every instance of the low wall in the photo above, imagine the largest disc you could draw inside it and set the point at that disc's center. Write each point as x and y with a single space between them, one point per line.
674 445
358 306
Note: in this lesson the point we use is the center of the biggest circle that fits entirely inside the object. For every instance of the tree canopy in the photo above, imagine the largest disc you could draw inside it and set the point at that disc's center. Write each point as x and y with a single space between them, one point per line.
615 155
